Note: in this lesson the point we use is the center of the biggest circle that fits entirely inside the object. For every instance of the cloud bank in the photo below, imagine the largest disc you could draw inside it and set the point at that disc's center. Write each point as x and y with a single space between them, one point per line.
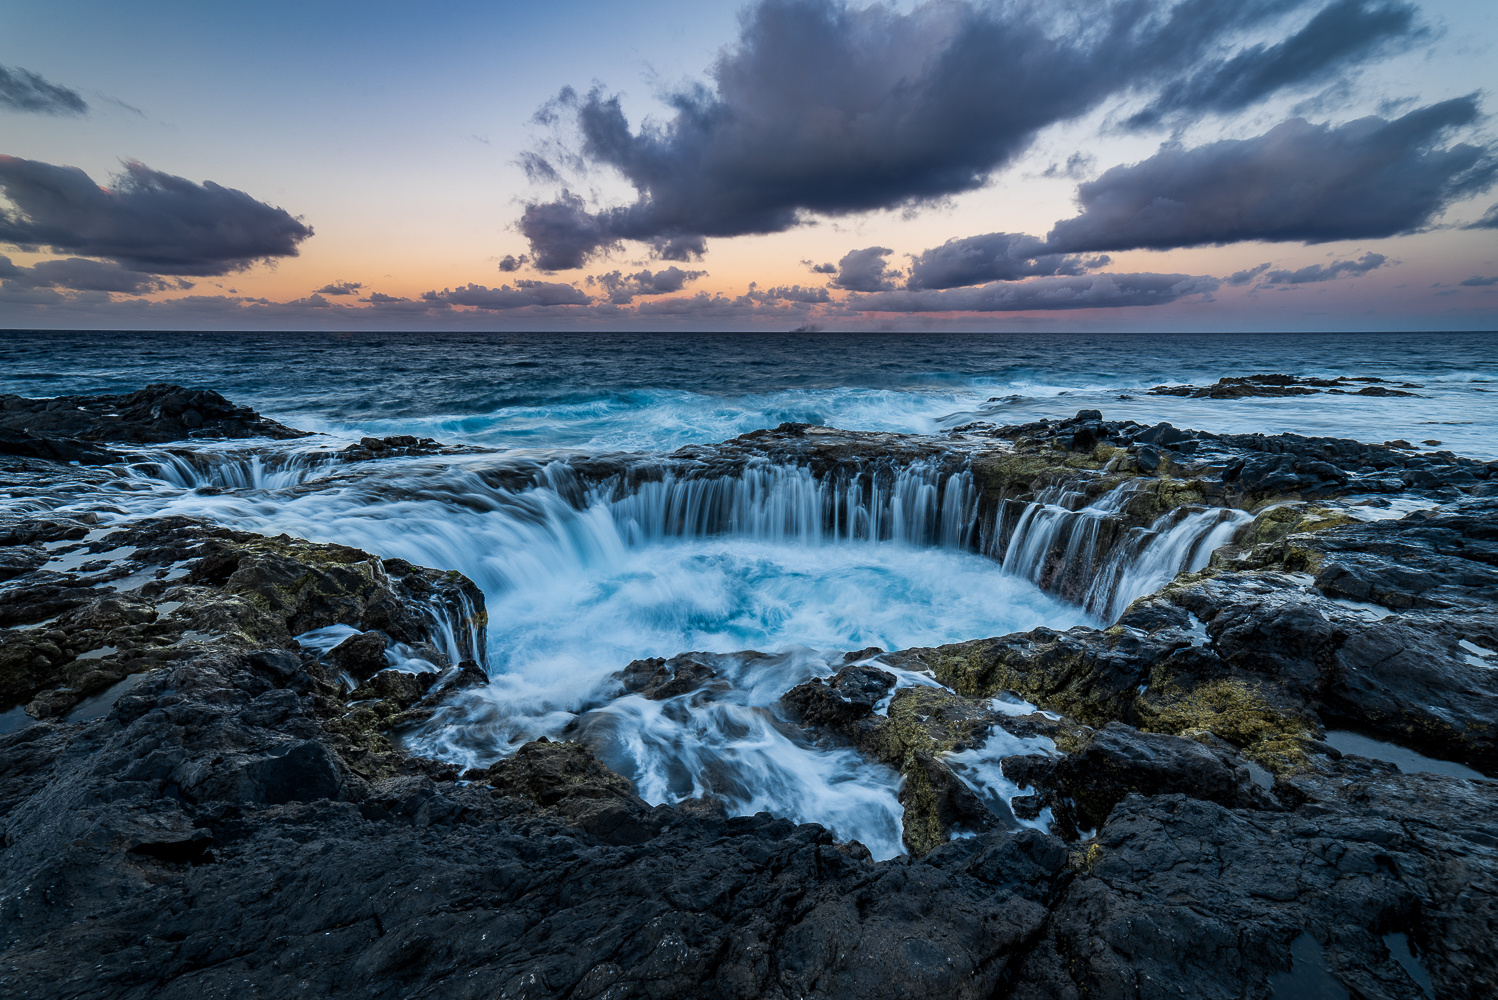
823 108
1366 179
149 221
622 288
1341 34
1098 291
1327 272
81 274
524 293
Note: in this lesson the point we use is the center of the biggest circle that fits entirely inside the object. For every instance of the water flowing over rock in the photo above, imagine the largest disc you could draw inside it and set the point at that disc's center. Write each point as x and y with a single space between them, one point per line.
237 760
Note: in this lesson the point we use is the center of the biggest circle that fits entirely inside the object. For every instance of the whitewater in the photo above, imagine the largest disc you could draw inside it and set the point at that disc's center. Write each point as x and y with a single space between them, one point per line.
585 573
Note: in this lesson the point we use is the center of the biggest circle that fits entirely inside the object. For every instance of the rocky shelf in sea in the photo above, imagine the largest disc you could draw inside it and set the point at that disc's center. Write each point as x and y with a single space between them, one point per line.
1240 387
192 802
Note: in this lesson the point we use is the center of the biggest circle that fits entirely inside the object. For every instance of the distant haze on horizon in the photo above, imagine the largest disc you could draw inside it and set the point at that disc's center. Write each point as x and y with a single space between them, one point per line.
1092 165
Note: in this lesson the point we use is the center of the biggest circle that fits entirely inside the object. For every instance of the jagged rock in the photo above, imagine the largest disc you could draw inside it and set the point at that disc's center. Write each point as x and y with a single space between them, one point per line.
1118 760
849 696
659 679
1085 673
361 656
1285 385
237 823
157 413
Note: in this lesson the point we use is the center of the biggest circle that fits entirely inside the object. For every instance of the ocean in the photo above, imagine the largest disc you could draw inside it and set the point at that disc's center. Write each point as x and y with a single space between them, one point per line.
645 392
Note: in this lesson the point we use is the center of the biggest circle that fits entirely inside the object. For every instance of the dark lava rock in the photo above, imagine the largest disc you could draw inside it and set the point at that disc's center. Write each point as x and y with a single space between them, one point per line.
360 655
155 414
850 695
235 823
1118 760
1284 385
567 781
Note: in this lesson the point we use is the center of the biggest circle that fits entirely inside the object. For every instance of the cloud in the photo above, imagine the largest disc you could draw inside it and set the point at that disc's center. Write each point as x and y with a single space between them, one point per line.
824 108
1098 291
340 288
149 221
1247 275
1488 221
1077 165
791 293
23 90
1342 33
82 275
994 257
828 268
1327 272
1477 281
866 270
510 263
525 293
622 288
1367 179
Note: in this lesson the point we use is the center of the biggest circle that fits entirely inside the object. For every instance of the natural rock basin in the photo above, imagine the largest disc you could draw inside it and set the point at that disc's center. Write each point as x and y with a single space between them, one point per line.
1022 686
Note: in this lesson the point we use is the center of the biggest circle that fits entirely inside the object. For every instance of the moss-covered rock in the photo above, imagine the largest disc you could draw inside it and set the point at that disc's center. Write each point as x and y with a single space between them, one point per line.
922 724
1231 709
1087 674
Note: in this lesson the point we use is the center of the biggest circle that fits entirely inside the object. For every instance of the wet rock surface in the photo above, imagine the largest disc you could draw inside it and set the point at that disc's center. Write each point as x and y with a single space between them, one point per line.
193 804
1287 385
65 428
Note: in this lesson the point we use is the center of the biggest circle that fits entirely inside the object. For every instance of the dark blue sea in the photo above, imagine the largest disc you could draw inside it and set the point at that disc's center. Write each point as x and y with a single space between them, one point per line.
605 392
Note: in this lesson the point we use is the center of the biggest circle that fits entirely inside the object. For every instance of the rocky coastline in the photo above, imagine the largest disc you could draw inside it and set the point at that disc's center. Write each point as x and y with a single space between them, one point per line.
193 803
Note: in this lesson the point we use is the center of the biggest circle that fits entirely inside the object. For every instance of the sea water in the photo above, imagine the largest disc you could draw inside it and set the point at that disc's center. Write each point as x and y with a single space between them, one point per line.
580 581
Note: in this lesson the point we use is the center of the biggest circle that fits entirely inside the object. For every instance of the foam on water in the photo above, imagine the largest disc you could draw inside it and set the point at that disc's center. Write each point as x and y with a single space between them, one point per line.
581 578
659 391
577 590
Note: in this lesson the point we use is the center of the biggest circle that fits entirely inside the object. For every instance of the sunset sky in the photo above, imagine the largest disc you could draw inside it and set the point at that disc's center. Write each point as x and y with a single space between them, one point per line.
1094 165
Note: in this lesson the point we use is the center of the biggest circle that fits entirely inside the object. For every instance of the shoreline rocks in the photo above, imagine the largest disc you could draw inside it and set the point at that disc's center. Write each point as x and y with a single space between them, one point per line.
1287 385
192 804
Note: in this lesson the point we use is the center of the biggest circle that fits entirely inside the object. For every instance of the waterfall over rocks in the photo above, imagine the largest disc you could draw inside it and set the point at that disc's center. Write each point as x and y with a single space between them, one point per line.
588 564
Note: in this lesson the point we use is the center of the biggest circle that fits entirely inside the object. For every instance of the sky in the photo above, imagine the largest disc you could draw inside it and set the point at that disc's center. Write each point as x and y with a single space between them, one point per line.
1088 165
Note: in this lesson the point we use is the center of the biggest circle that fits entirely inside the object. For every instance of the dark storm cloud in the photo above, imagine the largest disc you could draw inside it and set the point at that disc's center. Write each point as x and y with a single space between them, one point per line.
525 293
509 263
563 234
340 288
149 221
80 274
994 257
1478 281
622 288
1367 179
1327 272
824 108
866 270
1098 291
23 90
1341 34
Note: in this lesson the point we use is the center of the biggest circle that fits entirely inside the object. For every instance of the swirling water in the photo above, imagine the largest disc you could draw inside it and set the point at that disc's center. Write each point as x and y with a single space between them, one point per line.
580 581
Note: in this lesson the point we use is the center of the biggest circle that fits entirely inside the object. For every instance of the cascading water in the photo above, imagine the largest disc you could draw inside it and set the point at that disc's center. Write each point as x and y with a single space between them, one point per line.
1181 541
231 470
1084 551
583 576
